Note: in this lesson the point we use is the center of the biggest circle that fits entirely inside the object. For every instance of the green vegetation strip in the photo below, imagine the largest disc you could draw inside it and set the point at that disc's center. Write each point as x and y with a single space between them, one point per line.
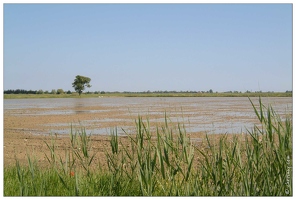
115 94
166 163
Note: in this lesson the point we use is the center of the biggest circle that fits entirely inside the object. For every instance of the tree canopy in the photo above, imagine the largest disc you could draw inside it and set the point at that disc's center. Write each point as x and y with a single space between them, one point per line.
80 82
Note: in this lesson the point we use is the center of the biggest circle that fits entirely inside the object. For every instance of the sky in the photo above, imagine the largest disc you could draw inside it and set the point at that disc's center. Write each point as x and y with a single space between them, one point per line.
141 47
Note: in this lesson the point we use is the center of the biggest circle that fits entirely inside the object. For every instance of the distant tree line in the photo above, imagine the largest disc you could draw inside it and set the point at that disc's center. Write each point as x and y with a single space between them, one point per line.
61 91
21 91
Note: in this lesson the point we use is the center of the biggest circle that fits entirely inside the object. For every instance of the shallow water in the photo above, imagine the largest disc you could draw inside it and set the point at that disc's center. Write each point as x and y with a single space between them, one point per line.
199 114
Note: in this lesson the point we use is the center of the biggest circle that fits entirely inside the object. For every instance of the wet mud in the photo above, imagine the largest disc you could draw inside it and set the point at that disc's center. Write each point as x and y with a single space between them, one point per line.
29 122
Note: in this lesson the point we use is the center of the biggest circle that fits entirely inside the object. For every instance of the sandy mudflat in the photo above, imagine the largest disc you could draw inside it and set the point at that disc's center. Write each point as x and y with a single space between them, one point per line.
26 135
28 123
19 141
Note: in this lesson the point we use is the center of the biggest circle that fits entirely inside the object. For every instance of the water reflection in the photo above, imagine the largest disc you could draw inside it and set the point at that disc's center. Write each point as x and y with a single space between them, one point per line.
78 105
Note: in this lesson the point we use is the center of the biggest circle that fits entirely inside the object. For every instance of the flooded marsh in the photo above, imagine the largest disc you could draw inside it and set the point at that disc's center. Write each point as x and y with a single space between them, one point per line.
100 115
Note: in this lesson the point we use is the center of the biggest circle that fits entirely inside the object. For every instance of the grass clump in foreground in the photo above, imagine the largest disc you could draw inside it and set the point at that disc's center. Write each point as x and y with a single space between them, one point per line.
167 163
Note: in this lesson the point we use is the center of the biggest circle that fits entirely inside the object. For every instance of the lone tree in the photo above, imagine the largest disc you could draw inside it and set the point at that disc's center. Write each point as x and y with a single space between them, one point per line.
80 82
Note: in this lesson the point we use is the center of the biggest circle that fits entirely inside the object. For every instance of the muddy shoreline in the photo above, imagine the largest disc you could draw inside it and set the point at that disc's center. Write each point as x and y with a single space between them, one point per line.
27 126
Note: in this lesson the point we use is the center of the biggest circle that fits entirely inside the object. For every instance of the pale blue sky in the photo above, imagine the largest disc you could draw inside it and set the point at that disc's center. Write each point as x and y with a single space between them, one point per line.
140 47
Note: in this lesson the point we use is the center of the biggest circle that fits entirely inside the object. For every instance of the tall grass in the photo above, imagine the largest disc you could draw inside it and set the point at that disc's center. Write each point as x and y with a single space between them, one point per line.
166 162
